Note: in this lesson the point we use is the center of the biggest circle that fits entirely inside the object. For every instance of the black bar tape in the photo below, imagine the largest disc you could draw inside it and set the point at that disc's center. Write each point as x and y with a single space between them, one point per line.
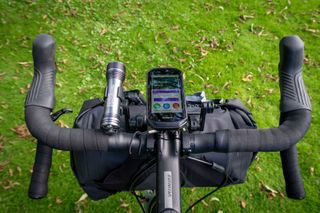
44 129
286 135
291 173
38 187
293 97
198 143
251 140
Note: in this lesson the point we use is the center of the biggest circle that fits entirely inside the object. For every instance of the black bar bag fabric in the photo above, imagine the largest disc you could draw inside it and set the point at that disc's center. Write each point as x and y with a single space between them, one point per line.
102 174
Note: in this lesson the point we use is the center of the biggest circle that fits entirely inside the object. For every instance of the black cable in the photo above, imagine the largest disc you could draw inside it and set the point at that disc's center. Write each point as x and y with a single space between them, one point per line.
152 163
131 140
210 193
227 177
136 133
132 185
137 198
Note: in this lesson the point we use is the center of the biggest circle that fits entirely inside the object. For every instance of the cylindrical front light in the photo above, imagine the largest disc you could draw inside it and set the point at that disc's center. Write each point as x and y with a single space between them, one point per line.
115 74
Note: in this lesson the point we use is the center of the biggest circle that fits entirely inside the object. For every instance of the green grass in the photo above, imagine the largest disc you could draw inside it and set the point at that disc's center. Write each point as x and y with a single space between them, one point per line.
149 34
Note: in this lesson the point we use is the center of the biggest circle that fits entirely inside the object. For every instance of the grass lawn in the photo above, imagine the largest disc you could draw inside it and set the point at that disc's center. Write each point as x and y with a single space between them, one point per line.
226 48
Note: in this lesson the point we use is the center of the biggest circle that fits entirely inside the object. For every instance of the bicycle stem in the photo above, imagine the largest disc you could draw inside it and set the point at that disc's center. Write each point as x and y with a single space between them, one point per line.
168 145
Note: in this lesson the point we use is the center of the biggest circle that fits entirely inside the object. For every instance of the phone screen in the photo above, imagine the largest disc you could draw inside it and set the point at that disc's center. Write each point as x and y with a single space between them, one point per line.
166 104
166 94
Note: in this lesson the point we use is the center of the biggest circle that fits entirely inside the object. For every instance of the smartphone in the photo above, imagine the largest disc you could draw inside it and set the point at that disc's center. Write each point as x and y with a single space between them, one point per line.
166 99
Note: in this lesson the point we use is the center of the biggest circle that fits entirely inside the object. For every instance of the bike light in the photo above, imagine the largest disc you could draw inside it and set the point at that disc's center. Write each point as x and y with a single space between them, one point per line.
115 74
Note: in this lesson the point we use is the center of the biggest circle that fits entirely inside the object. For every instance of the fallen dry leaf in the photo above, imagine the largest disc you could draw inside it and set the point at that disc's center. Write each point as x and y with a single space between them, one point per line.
3 164
226 85
257 30
71 12
58 200
244 18
58 84
269 90
243 204
1 141
187 53
1 146
203 39
199 76
25 63
214 199
208 86
271 193
311 169
203 51
4 105
103 31
182 60
19 170
2 75
249 102
272 77
175 50
62 124
205 203
83 90
134 75
214 43
158 36
8 184
82 198
23 90
208 6
62 167
22 131
124 205
312 30
64 61
258 169
10 172
215 90
248 77
175 27
267 188
190 82
281 195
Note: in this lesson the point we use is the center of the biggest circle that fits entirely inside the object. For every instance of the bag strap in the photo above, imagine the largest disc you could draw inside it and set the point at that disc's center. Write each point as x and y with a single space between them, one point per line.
143 172
134 97
88 104
236 108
